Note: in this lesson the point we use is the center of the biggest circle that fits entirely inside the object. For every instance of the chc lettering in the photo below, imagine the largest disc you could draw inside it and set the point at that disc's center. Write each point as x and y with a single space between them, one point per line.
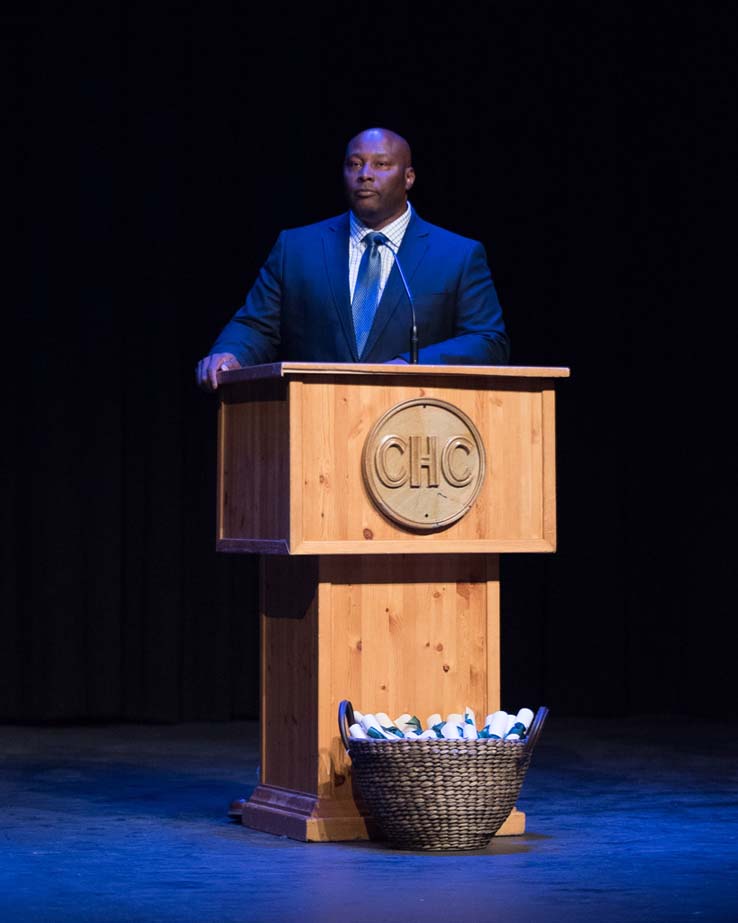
417 459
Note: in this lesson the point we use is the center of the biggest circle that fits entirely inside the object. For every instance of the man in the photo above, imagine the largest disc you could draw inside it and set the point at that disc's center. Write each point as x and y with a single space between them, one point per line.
330 292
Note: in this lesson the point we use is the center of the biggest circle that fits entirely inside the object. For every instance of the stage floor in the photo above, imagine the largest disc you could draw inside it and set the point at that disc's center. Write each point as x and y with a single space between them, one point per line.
628 820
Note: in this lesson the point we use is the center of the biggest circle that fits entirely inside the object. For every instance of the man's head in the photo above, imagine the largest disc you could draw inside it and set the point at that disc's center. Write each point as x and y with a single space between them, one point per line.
378 175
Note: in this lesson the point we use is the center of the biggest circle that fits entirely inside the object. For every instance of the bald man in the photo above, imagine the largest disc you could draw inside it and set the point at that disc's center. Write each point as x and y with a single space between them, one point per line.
300 307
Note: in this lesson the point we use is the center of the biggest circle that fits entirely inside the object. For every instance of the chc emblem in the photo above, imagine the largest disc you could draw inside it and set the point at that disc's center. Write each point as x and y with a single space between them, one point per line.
423 464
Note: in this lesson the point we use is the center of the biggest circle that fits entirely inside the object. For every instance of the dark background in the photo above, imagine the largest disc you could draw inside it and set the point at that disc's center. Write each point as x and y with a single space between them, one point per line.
154 152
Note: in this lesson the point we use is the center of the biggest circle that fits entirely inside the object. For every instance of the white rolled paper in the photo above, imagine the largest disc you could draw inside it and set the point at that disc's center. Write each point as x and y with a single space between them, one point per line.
525 716
433 720
370 722
497 724
450 730
356 730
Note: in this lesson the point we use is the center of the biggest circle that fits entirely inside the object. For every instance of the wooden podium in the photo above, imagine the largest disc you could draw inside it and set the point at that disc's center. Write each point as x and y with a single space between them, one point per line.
379 498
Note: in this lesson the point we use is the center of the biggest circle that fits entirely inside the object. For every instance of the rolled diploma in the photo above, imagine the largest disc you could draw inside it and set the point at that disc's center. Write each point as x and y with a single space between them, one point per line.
497 724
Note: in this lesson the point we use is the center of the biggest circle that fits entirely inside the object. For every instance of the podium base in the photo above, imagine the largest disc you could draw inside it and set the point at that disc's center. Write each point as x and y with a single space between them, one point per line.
305 817
311 819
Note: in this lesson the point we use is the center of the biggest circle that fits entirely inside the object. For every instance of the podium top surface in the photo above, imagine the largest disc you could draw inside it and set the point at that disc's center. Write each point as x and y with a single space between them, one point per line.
301 369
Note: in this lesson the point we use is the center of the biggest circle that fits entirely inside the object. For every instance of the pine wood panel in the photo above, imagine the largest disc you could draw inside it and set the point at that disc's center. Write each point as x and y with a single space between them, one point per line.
511 510
289 672
404 633
253 470
411 633
549 467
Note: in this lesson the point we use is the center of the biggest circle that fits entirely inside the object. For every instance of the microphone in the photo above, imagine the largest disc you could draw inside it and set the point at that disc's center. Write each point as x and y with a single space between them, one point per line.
414 328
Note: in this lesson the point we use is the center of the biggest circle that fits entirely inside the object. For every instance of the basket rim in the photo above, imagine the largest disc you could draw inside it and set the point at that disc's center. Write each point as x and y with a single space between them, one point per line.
345 718
485 741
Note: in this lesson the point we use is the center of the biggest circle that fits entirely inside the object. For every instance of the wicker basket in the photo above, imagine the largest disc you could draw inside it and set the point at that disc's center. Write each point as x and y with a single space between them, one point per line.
439 794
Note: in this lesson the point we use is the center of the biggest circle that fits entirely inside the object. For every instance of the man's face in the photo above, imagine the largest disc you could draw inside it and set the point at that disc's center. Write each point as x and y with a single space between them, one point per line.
377 175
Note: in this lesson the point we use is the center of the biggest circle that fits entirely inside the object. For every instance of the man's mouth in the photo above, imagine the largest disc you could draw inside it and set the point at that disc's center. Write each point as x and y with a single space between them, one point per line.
364 193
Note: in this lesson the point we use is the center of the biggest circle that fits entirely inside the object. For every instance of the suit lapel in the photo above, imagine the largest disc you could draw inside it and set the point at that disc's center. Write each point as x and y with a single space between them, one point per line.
412 250
335 250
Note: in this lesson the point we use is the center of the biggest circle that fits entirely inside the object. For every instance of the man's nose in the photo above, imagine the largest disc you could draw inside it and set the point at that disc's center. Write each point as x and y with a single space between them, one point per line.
366 172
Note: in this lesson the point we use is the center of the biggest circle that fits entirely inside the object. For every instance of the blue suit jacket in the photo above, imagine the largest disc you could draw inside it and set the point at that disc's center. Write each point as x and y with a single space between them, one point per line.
299 308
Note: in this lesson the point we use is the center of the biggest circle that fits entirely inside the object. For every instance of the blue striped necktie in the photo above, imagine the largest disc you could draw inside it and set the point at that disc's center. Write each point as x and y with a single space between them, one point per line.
366 293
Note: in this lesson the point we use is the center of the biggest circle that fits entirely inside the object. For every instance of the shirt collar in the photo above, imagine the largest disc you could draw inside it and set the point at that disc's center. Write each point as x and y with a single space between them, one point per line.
394 231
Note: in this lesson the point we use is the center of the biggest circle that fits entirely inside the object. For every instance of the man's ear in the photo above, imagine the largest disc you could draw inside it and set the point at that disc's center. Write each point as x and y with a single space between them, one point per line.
409 178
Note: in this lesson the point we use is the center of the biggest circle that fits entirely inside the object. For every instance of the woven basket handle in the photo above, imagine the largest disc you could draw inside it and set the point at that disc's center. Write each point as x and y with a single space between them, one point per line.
536 727
345 720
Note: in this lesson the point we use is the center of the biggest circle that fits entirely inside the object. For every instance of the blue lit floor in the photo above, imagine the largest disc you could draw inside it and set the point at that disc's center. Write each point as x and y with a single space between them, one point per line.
629 820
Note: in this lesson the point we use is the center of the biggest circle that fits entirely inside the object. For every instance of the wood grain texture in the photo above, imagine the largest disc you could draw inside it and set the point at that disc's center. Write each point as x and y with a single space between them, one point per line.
510 511
290 672
549 468
305 817
253 464
413 633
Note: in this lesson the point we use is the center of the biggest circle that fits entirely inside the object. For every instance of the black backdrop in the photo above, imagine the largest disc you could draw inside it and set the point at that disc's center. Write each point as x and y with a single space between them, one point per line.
155 150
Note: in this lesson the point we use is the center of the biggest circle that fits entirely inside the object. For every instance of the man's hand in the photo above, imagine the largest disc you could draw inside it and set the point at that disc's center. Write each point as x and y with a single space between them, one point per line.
207 370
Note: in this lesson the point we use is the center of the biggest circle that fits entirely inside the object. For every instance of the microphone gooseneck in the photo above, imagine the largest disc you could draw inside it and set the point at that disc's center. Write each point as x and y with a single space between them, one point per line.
414 328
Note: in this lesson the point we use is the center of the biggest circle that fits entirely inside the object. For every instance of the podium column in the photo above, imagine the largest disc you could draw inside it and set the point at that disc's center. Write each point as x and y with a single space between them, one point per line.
386 631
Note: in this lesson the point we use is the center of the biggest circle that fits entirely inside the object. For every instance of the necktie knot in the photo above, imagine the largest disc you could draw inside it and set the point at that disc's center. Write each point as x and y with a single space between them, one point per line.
374 239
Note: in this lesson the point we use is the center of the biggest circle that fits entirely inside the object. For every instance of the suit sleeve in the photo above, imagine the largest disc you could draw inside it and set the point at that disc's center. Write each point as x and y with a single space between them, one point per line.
480 337
253 334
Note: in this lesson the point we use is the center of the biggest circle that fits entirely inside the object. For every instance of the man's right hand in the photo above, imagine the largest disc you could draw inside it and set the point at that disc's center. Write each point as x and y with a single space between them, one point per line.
207 370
